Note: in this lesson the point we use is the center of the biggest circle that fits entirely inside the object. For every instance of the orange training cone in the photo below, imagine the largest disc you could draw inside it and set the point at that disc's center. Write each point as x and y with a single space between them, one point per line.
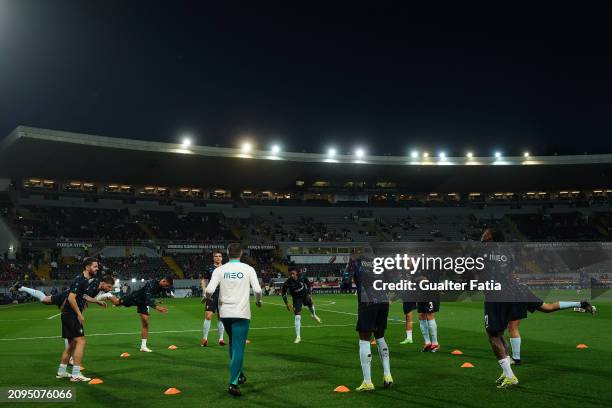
467 365
457 352
124 355
373 342
172 347
248 341
172 391
96 381
341 388
582 346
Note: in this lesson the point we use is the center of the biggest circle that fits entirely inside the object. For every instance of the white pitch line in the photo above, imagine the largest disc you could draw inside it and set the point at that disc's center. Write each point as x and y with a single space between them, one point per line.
317 308
14 305
55 315
174 331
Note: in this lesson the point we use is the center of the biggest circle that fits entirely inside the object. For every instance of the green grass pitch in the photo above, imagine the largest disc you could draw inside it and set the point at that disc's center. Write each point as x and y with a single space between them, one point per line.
282 374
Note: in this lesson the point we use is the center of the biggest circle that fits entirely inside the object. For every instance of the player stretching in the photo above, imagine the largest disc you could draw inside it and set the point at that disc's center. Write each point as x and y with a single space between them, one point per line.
519 312
72 322
235 280
498 316
212 306
301 293
143 299
372 315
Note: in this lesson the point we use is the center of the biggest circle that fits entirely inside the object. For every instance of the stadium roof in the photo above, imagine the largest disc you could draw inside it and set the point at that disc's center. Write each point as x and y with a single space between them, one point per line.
34 152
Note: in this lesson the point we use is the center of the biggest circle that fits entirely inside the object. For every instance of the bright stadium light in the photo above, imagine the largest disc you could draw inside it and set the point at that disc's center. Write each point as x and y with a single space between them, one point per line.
526 155
331 152
276 149
442 155
359 153
425 155
186 142
414 154
497 155
246 147
133 280
469 155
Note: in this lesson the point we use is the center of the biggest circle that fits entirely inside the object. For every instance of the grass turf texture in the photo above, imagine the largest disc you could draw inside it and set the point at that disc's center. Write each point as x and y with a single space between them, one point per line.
282 374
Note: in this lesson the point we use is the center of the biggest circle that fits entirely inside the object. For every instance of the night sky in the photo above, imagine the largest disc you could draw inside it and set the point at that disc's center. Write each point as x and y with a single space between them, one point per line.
390 76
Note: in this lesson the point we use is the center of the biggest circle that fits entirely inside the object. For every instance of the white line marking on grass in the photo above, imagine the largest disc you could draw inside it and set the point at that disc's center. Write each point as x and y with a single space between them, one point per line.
317 308
55 315
390 319
13 305
175 331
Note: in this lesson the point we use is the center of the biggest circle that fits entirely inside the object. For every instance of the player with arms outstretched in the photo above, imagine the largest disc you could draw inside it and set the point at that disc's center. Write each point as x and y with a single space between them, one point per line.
144 299
300 289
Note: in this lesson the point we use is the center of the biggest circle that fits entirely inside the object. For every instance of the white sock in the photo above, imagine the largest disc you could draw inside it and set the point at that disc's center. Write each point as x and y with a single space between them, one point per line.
433 330
568 305
220 329
383 352
425 331
33 292
66 343
143 343
505 365
62 368
76 370
365 356
409 334
313 313
206 328
515 345
298 325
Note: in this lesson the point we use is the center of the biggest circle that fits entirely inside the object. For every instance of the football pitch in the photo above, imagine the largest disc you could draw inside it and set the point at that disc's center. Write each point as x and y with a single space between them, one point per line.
282 374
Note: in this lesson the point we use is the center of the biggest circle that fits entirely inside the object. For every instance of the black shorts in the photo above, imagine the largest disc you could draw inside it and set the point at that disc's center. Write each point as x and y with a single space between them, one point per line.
141 308
58 300
372 317
519 309
428 307
301 301
409 307
71 327
212 304
498 315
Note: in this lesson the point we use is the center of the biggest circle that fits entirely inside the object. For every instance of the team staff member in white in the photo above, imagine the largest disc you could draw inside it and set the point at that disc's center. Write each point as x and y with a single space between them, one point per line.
235 280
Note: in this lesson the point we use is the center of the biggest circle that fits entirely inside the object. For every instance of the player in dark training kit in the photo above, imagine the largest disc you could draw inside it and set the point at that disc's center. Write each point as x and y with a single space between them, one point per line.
498 315
372 315
212 305
72 322
300 289
143 299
